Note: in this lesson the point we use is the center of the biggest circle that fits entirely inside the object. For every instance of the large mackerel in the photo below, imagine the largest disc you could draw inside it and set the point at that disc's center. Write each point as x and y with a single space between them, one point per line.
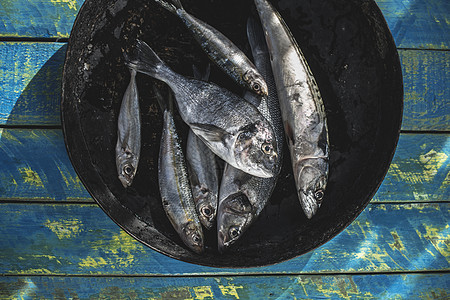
301 107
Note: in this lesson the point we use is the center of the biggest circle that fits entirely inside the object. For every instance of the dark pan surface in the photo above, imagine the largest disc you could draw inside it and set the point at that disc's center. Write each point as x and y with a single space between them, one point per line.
353 57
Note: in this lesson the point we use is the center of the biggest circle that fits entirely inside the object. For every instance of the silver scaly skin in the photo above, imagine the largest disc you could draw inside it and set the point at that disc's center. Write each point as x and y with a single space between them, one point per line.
220 49
128 145
242 197
302 110
232 128
174 185
203 172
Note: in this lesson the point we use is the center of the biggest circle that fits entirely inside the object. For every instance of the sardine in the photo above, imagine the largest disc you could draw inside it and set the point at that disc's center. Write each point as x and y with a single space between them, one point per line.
128 145
301 107
242 196
220 49
174 184
203 172
232 128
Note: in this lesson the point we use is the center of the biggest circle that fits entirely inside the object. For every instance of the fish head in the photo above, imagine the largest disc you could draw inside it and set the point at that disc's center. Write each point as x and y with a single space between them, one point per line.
126 163
204 199
192 236
312 177
234 215
256 83
255 150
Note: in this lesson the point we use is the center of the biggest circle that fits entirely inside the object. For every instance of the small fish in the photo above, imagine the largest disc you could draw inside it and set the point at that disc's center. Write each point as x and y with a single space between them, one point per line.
220 49
302 110
128 145
203 172
242 197
232 128
174 184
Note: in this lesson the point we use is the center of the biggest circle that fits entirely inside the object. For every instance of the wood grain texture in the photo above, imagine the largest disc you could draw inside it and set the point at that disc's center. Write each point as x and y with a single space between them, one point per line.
42 18
410 286
418 24
31 90
421 24
35 166
31 83
44 239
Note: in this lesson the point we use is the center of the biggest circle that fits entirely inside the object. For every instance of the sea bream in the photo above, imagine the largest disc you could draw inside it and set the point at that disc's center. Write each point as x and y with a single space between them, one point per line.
302 109
174 184
203 171
242 196
232 128
128 146
223 52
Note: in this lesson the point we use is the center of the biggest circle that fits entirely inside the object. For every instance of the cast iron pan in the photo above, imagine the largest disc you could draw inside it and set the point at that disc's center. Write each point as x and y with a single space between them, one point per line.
353 57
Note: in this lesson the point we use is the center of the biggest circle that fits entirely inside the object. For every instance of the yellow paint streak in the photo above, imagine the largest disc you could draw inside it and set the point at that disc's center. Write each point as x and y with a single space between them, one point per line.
230 290
439 238
69 180
203 292
118 252
33 271
71 4
65 229
432 162
91 262
342 287
31 177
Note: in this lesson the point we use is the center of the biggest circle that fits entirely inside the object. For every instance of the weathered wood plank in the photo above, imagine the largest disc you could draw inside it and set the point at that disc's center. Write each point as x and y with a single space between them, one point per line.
31 90
31 83
414 24
35 166
426 77
44 239
405 286
419 24
38 18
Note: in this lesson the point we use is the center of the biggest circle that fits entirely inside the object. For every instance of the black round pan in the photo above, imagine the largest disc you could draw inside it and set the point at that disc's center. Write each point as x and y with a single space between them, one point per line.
353 57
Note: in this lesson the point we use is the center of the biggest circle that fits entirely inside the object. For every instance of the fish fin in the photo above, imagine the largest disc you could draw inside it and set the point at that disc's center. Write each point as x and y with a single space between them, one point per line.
199 75
170 5
256 37
289 132
146 61
209 132
163 103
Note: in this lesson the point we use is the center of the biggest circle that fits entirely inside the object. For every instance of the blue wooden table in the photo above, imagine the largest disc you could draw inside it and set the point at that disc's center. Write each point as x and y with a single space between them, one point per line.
55 242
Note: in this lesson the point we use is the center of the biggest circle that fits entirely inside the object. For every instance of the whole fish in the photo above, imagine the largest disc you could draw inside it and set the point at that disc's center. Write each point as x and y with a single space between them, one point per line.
220 49
174 184
301 107
232 128
242 197
128 145
203 172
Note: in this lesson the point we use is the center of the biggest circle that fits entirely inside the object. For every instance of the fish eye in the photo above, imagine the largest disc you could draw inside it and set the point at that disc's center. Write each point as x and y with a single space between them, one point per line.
128 169
266 148
196 238
206 211
234 232
319 195
256 87
204 191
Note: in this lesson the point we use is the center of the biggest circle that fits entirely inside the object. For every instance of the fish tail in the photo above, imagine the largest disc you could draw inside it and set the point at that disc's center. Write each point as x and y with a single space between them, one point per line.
170 5
163 103
255 36
199 75
147 61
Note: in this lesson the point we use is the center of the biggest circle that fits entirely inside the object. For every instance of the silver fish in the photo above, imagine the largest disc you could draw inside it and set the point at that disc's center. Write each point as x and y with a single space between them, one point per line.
203 172
242 197
302 110
174 184
220 49
128 145
232 128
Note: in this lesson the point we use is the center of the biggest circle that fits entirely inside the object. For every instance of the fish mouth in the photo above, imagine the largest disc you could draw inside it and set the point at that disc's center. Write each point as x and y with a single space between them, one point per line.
125 181
308 203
